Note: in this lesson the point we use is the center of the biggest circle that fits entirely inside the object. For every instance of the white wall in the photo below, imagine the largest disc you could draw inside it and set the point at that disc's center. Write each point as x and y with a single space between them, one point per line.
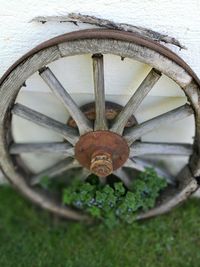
177 18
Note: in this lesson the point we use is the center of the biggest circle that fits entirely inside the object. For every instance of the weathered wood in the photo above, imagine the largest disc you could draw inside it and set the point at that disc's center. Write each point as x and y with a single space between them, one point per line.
193 93
160 171
42 200
98 76
80 18
143 148
128 50
84 174
44 121
176 114
102 180
81 174
123 176
132 164
172 198
12 82
135 101
55 170
82 122
53 147
140 165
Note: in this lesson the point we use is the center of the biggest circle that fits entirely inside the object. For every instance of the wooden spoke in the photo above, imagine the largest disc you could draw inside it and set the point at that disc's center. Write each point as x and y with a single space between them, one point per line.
54 147
84 174
134 165
148 164
98 76
123 176
177 114
82 122
102 180
140 165
171 198
40 119
55 170
135 101
143 148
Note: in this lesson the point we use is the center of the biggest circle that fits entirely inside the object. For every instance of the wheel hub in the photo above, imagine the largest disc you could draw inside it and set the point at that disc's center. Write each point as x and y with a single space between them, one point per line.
101 163
111 112
102 152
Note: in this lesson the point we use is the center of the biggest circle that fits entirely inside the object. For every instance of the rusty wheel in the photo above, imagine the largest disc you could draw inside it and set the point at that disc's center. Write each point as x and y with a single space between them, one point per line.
100 138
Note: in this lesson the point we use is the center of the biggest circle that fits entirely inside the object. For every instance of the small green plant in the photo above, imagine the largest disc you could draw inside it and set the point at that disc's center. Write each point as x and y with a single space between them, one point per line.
114 203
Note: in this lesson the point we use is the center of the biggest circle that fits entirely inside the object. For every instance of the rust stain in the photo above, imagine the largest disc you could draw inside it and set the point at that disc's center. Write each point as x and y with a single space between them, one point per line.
101 152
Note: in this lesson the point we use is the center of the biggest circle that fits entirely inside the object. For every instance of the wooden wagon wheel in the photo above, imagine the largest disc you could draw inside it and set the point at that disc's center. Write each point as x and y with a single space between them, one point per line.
98 148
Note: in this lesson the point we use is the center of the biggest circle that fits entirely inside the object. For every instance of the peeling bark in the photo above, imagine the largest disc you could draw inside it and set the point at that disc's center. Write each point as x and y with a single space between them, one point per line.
105 23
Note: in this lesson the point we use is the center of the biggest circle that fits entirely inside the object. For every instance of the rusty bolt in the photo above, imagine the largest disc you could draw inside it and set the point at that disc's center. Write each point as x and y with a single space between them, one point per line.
100 152
101 164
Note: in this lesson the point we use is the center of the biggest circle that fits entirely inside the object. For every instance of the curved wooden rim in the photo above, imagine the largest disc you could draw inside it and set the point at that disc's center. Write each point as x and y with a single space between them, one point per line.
106 34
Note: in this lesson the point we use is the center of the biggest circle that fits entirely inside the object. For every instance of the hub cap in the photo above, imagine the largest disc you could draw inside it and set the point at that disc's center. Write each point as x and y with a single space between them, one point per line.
102 152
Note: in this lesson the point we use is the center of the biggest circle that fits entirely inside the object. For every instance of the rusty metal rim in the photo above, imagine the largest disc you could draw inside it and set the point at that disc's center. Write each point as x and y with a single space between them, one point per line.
105 34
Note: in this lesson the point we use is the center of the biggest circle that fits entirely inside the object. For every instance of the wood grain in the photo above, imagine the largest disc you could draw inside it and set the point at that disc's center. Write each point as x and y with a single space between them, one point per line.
82 122
44 121
55 170
134 165
172 197
135 101
128 50
171 116
144 148
11 85
105 23
99 90
53 147
124 177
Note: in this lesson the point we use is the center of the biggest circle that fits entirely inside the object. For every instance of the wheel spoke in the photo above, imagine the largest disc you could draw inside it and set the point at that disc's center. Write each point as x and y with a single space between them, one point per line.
55 170
134 165
123 176
143 148
135 101
84 174
177 114
147 164
98 76
54 147
82 122
40 119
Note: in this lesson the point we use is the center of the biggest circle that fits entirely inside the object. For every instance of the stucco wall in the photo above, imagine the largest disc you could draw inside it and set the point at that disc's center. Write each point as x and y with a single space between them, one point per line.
176 18
179 18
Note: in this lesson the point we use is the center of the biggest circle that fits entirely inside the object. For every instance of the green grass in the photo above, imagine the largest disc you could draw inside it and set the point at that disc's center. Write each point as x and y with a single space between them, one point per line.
32 238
